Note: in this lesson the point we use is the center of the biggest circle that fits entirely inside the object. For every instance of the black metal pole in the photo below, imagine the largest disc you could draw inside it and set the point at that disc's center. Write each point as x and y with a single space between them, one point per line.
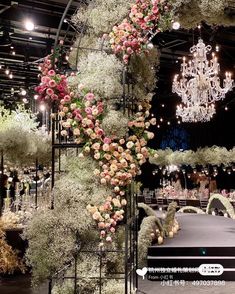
36 189
1 184
75 275
50 286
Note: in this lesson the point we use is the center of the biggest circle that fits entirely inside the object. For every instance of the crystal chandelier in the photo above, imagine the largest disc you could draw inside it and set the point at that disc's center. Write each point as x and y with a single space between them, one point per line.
195 113
199 85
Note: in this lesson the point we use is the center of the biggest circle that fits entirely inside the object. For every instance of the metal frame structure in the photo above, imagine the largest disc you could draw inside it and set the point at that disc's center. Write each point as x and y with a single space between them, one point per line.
130 250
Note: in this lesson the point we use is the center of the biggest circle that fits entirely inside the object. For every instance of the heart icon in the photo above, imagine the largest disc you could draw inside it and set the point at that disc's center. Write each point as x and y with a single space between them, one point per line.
142 272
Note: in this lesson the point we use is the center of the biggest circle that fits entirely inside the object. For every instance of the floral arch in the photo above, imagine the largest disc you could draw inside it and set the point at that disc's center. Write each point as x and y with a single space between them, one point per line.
90 199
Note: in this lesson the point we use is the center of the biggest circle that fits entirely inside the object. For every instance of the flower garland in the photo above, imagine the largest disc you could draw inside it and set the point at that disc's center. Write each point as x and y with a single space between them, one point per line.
132 34
203 156
119 159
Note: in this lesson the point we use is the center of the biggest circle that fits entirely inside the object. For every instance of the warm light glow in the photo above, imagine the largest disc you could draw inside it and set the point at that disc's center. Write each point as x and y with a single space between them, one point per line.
13 53
11 76
29 25
7 71
42 107
150 46
161 119
175 25
23 92
25 100
226 108
35 97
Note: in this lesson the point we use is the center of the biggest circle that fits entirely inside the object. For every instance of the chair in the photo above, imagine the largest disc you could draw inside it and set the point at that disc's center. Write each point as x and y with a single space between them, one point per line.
160 202
169 200
182 202
147 199
203 204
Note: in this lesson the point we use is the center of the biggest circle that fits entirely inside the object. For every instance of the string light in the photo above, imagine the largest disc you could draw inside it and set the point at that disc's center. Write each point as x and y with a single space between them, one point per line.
13 53
163 105
226 108
7 71
35 97
11 76
158 126
161 119
168 123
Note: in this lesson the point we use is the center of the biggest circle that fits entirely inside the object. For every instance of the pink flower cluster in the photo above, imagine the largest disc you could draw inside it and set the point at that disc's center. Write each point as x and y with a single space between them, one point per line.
131 36
119 159
53 86
107 216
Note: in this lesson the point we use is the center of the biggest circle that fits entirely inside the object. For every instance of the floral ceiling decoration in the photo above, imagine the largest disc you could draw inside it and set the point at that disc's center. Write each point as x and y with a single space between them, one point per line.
209 155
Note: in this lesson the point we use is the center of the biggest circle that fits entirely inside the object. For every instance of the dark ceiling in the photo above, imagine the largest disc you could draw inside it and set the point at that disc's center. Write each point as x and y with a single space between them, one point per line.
30 46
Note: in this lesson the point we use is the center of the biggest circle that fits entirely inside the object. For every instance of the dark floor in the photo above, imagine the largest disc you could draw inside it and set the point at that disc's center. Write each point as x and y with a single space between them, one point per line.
20 284
147 287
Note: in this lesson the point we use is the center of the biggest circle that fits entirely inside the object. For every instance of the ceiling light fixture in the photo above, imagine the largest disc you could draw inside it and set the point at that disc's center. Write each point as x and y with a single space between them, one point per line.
29 25
199 85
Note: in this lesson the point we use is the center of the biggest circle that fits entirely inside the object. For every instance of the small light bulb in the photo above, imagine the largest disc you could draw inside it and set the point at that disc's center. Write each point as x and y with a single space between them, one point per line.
35 97
161 119
168 123
25 100
11 76
29 25
7 71
150 46
217 48
13 53
158 126
175 25
23 92
42 107
226 108
30 38
163 105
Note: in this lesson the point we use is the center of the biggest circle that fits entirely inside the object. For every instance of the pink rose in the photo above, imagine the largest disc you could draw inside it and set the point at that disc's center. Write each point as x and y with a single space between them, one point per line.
54 97
107 140
67 98
89 96
49 92
51 72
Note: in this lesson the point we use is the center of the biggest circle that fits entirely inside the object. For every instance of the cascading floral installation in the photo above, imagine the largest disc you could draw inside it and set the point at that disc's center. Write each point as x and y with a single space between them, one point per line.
53 85
132 34
119 158
82 113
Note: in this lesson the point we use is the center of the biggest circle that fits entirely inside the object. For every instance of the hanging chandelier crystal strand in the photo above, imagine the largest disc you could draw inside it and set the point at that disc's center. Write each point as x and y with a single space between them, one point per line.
195 113
199 85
